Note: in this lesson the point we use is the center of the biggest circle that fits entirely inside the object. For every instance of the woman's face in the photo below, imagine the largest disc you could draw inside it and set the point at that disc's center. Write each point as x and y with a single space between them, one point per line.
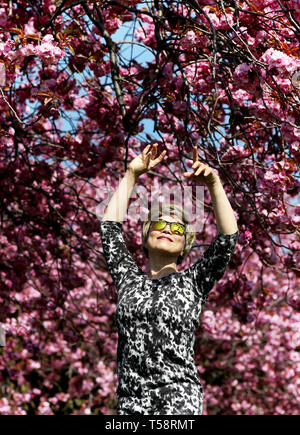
163 241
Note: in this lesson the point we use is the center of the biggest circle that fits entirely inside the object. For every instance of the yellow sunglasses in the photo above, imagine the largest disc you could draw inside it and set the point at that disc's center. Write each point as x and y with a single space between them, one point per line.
176 227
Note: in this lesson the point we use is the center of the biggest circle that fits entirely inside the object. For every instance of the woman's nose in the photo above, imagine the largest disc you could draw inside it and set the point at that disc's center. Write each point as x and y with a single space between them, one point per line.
168 226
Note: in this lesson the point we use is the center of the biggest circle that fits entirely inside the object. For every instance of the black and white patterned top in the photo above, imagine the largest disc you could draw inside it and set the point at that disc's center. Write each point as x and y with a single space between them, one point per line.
157 318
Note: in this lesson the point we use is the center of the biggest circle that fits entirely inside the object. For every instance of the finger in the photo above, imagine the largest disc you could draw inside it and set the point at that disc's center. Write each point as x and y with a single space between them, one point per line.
202 168
154 150
199 170
196 164
155 162
146 149
195 153
162 155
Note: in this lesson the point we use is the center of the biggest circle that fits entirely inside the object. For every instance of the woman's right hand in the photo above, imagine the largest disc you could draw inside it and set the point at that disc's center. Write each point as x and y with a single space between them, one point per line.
146 161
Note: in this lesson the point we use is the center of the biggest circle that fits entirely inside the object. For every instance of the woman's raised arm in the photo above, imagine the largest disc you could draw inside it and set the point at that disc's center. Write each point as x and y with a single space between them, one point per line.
144 162
226 221
117 207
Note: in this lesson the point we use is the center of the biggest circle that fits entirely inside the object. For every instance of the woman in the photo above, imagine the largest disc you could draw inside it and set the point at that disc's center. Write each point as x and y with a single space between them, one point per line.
157 315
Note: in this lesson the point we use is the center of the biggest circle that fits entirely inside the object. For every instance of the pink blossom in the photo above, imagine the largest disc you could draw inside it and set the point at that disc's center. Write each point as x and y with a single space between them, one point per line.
4 407
146 34
29 27
87 385
32 365
53 400
241 97
47 51
190 38
44 408
280 61
81 102
246 236
63 397
246 76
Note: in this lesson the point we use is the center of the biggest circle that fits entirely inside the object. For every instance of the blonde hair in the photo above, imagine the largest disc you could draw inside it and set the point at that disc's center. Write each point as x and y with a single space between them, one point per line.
172 210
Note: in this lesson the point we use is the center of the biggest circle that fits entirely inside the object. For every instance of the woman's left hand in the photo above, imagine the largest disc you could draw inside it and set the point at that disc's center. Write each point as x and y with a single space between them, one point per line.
202 173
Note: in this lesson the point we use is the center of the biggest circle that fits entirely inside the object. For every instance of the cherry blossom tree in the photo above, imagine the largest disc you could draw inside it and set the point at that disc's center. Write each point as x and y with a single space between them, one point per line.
80 84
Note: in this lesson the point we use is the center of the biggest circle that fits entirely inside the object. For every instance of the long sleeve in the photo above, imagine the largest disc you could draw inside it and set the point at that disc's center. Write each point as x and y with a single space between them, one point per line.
118 259
211 266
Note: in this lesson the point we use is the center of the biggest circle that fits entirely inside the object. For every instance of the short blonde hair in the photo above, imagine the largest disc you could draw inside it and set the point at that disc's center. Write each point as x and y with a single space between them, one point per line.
172 210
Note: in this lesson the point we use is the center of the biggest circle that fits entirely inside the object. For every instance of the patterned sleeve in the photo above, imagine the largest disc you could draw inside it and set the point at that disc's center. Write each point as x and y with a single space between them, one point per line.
118 259
211 266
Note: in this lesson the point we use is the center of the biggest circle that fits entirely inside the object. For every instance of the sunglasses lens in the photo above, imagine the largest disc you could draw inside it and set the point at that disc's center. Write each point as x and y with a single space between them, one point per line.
175 227
158 225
